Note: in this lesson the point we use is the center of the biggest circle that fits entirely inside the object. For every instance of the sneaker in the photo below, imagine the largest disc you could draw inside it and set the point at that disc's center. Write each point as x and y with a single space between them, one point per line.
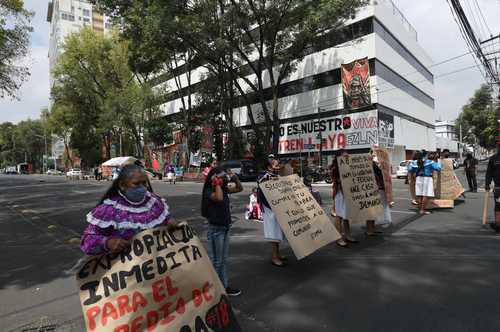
233 291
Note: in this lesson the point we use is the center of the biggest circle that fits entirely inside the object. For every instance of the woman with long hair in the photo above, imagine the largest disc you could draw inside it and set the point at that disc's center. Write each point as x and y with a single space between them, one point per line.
341 222
216 207
272 229
424 185
128 207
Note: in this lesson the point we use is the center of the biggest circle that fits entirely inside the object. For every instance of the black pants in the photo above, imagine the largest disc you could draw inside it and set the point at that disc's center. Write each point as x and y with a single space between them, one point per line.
471 179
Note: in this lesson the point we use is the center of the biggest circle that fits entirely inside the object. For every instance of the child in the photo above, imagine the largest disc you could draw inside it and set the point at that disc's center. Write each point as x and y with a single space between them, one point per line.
253 210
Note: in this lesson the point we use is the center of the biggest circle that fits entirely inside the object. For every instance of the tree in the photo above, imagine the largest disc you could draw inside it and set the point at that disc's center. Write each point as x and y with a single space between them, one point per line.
254 45
478 119
101 97
14 42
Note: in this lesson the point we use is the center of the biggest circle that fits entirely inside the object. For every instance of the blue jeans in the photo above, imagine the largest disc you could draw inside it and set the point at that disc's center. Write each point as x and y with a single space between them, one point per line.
218 249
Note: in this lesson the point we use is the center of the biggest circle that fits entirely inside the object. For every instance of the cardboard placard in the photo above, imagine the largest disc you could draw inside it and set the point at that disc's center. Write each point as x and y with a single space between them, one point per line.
362 200
303 221
486 201
440 204
450 187
164 283
384 161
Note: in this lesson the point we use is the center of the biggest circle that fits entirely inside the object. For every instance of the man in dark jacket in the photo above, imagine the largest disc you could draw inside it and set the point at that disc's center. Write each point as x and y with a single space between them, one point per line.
470 165
493 173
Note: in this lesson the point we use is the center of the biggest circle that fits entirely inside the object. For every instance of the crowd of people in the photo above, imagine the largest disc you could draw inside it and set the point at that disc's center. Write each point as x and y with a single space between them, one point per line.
130 206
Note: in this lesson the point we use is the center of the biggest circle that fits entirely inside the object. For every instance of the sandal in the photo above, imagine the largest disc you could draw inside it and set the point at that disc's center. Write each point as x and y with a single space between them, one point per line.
348 240
280 264
341 243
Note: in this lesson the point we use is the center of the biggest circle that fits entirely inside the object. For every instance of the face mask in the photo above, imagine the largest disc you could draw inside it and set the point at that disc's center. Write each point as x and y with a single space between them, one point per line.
135 194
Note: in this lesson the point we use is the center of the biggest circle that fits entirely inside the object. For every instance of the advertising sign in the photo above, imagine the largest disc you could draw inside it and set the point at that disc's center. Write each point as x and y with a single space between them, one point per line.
350 131
166 282
356 84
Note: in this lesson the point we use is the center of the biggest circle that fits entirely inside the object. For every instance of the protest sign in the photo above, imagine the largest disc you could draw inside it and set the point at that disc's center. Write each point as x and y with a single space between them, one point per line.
486 200
164 283
303 221
449 186
361 196
440 204
384 161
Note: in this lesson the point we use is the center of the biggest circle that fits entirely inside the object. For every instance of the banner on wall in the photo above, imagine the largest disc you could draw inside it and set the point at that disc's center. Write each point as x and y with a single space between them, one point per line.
350 131
207 141
385 130
356 84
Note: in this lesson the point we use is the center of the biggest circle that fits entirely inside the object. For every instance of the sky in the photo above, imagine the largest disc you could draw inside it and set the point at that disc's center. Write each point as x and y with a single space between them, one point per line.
437 32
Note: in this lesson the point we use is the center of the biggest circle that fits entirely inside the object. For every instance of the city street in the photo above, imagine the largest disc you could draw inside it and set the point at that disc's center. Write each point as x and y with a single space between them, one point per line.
435 273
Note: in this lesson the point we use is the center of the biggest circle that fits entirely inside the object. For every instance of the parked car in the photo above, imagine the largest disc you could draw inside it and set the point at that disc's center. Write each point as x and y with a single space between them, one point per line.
245 169
54 172
74 173
319 174
402 171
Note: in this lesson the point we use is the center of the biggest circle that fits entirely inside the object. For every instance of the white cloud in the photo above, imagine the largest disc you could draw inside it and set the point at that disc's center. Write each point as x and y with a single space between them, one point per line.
437 31
439 35
34 93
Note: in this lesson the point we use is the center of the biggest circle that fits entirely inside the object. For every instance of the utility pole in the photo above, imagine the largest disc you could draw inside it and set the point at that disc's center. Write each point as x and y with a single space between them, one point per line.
320 138
300 154
460 145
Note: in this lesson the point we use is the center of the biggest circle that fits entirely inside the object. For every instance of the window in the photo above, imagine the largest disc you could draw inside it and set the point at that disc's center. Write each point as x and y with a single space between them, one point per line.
68 17
86 20
86 12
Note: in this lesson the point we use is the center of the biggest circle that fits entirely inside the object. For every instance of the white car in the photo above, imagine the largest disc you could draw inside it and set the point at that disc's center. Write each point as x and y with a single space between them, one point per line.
53 172
402 171
74 173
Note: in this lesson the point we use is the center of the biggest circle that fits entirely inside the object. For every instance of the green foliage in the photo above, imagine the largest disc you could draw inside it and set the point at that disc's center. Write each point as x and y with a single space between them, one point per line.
232 39
21 142
98 98
14 42
159 131
479 118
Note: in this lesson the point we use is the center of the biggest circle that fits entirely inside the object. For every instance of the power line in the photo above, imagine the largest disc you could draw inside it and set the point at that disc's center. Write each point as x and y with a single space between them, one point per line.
482 16
339 99
463 33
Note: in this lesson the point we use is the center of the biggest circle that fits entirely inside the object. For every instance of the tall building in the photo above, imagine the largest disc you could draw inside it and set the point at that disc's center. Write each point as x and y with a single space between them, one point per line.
446 129
67 17
381 55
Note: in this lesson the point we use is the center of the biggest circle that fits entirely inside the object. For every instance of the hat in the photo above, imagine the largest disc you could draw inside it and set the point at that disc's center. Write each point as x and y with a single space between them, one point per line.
271 156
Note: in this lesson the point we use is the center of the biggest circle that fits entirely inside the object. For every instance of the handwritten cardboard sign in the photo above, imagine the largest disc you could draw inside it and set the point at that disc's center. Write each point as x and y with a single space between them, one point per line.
164 283
450 187
359 187
384 161
303 221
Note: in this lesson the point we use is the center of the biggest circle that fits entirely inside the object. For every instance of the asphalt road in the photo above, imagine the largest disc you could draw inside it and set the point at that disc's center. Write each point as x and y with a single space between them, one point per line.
435 273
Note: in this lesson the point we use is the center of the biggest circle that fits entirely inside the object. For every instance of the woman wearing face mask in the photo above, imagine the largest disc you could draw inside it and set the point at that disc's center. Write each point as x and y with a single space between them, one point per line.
128 207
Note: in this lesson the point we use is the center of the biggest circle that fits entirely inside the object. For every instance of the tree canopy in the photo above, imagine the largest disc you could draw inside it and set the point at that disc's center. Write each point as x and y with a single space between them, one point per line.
254 45
14 45
478 119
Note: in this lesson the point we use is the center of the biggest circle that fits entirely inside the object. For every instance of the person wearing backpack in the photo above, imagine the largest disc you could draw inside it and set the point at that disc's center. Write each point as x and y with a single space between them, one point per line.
215 206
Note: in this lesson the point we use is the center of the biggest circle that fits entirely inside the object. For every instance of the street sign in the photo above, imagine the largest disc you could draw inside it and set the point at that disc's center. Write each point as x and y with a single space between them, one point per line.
309 146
